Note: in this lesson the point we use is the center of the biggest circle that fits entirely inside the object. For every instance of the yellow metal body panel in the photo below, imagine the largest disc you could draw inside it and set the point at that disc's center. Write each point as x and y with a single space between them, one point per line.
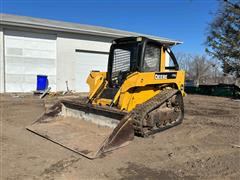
140 87
147 78
136 89
129 99
95 80
163 60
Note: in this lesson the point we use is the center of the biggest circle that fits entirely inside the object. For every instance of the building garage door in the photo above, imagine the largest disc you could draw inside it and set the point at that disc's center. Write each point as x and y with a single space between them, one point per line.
85 63
27 55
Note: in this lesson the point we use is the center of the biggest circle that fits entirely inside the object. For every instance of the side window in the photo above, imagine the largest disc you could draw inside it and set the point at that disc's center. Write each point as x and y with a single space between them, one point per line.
169 63
152 58
168 60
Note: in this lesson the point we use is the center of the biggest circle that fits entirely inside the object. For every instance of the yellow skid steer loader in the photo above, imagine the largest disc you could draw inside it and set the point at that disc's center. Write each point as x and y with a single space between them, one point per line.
140 94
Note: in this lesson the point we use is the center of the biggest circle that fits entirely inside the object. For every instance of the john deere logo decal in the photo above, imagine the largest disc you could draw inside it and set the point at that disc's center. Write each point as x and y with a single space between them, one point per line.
160 76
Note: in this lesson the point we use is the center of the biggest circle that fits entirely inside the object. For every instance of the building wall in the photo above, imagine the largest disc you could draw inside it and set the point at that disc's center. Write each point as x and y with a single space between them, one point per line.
68 58
28 54
1 61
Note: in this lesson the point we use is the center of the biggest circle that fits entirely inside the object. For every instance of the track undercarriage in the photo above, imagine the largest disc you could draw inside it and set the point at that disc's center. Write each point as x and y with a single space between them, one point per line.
161 112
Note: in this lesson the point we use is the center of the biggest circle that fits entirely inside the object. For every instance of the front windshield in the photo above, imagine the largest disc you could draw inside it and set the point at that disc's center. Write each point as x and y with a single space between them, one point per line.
124 55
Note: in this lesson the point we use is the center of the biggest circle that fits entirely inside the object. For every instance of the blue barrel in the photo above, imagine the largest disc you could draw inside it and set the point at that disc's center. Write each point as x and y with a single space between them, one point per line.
42 82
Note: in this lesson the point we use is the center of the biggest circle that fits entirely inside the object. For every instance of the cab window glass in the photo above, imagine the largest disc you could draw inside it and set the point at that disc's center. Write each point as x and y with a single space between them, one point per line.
152 58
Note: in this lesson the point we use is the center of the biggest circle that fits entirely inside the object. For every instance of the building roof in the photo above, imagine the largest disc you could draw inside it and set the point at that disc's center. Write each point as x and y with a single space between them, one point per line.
24 21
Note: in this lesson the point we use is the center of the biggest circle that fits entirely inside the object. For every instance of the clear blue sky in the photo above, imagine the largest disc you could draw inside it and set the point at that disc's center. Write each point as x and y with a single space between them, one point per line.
184 20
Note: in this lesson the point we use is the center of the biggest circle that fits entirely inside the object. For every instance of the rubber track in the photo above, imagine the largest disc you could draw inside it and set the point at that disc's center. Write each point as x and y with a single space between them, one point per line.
140 112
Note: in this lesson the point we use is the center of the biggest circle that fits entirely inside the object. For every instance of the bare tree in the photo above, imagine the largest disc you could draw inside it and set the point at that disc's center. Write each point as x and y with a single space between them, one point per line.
198 67
184 60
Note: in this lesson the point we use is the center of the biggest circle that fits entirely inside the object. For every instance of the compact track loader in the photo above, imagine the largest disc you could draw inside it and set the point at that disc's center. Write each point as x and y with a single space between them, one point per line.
140 94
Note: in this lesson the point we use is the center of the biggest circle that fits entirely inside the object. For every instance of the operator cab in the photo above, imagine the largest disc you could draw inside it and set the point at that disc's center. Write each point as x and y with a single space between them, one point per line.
135 54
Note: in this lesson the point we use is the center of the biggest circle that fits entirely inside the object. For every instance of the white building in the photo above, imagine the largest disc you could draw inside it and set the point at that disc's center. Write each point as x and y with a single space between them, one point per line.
62 51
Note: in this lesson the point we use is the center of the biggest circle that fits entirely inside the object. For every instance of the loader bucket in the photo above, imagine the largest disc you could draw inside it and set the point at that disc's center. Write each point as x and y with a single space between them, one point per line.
83 128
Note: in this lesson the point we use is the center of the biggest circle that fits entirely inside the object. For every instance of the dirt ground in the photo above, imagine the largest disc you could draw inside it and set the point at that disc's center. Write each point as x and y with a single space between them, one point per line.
204 146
